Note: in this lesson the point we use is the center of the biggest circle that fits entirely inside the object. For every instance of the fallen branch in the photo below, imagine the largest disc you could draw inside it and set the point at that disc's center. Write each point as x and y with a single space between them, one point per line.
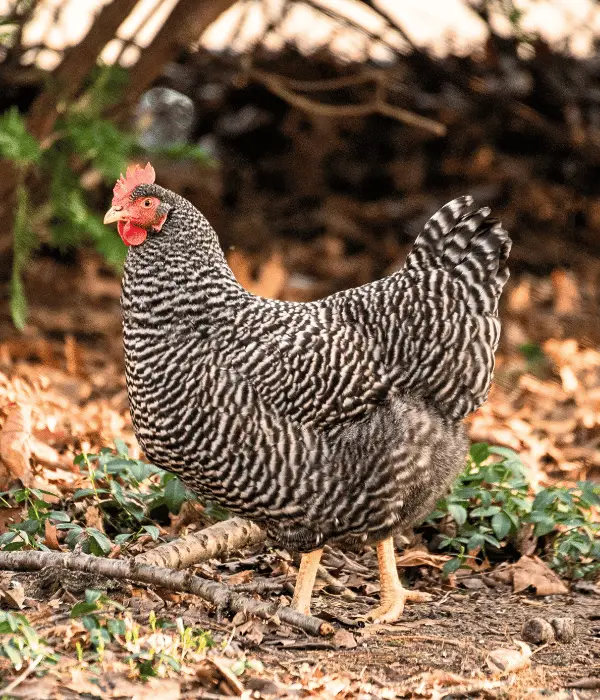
177 581
210 543
213 542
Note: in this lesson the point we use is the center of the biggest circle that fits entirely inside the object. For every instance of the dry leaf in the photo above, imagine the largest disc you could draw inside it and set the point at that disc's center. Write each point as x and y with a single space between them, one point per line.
344 639
421 557
15 444
117 686
218 673
43 452
93 518
525 540
50 535
253 630
13 595
504 661
473 583
271 279
10 516
244 576
566 293
531 571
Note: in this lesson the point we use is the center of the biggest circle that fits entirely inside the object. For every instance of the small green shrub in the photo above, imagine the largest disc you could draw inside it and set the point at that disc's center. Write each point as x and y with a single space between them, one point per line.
492 501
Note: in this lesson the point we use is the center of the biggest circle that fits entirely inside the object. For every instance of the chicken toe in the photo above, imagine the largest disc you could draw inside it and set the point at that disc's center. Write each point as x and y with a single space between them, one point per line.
392 607
393 595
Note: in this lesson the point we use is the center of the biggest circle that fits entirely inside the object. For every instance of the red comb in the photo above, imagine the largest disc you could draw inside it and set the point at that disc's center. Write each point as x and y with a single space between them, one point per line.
134 176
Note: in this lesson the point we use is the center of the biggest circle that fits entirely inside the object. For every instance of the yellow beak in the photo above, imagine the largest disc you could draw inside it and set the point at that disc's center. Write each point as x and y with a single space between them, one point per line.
115 214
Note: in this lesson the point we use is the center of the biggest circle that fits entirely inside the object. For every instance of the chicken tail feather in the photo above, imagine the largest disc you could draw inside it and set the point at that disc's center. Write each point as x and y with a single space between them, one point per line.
470 245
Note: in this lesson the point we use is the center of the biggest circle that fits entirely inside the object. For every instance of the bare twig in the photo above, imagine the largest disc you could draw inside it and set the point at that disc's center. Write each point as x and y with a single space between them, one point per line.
335 583
19 679
215 593
278 86
68 77
347 22
209 543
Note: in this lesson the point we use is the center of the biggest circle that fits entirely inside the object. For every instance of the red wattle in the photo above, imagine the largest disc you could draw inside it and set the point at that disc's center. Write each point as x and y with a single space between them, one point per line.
130 233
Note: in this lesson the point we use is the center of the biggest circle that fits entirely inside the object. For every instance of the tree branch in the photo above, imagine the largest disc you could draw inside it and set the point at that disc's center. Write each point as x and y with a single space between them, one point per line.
213 541
215 593
277 85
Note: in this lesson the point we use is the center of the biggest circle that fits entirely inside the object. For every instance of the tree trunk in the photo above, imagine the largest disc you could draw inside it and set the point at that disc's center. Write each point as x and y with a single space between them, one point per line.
185 24
69 75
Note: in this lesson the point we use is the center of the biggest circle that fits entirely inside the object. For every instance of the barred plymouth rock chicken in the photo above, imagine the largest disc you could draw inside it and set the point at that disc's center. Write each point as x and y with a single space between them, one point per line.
337 420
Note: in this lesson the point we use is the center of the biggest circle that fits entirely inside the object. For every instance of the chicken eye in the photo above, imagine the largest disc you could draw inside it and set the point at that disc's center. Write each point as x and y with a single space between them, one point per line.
147 202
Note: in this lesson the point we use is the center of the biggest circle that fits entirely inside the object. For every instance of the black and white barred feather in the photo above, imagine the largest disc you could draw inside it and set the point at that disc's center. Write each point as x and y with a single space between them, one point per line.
333 420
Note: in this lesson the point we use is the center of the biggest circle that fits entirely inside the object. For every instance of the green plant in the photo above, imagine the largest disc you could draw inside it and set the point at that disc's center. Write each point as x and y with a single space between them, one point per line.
492 501
101 628
30 531
20 643
574 549
128 492
84 147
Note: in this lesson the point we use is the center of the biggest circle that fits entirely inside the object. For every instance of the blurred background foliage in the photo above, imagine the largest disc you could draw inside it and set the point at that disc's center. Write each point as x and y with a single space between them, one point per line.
317 136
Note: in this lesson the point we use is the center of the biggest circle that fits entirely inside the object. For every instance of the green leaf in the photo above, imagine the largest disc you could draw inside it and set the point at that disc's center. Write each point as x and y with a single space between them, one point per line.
92 595
24 241
214 510
82 493
123 537
501 525
491 540
116 627
451 566
175 495
479 452
505 452
476 540
543 499
459 513
121 447
18 302
16 143
544 526
99 543
13 655
153 531
83 608
32 527
485 512
59 516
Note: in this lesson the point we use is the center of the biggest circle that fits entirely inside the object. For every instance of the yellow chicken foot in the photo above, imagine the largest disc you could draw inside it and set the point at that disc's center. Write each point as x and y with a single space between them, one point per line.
393 595
306 581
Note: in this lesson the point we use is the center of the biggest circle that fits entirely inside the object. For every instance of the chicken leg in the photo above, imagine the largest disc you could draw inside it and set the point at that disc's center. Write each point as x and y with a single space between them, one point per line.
393 595
306 581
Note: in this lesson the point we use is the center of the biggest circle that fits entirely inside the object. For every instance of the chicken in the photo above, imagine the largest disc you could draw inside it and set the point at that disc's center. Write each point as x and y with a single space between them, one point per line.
333 421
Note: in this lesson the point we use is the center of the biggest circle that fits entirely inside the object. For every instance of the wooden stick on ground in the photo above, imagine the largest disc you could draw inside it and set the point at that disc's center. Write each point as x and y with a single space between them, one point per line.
213 592
214 541
209 543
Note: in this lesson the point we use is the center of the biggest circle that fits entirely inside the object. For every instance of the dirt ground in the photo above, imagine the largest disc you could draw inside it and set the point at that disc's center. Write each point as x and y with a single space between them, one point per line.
456 633
440 649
